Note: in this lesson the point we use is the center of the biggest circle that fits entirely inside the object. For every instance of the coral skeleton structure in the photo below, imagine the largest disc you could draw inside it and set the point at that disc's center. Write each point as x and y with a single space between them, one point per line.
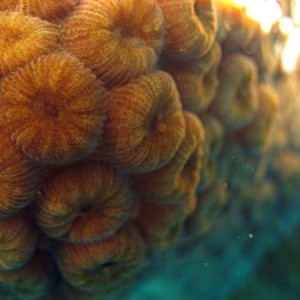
116 126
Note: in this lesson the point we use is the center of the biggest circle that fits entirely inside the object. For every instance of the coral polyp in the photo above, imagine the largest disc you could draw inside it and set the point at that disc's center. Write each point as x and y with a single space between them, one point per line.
191 34
164 230
129 32
149 108
236 100
8 5
84 203
258 131
50 10
24 39
19 178
16 232
33 280
111 261
176 182
197 83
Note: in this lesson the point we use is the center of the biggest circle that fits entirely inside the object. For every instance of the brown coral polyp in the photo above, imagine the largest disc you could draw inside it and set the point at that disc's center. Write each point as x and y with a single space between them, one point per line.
214 135
24 39
197 82
236 27
161 225
84 203
16 233
51 10
119 40
208 173
210 204
102 265
19 178
213 143
192 32
150 110
236 100
177 181
53 109
257 133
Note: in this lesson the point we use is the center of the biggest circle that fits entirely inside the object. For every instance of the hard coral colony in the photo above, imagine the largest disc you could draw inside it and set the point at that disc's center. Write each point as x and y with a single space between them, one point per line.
104 155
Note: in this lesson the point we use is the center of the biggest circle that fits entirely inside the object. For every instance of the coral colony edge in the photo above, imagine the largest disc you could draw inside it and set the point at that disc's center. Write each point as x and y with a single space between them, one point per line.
133 131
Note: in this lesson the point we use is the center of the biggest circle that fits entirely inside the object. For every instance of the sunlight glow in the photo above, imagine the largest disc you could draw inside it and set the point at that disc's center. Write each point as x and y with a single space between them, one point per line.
296 12
269 12
265 12
291 51
236 3
286 25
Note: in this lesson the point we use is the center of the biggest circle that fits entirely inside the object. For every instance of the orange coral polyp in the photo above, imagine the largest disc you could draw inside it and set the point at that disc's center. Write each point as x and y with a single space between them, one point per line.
197 82
214 135
84 203
210 204
236 100
257 133
32 281
8 4
191 27
53 109
119 40
161 224
19 178
105 264
51 10
143 107
24 39
16 232
177 181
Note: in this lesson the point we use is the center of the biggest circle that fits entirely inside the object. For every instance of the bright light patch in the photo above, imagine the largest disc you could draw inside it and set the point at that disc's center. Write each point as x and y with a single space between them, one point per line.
266 12
286 25
291 51
296 12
